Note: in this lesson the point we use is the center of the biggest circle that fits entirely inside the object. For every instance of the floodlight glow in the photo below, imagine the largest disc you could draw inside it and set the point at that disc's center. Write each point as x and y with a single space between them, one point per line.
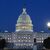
48 24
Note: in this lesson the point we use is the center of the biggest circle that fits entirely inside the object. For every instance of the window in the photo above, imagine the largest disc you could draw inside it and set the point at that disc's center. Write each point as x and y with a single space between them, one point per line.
26 40
18 37
24 37
29 40
29 37
19 40
8 38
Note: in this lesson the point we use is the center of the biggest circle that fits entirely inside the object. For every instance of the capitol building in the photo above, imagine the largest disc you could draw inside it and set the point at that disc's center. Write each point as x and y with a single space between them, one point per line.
24 36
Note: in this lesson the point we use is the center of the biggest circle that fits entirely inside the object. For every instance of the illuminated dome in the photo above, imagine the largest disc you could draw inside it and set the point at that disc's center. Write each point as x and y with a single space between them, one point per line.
24 22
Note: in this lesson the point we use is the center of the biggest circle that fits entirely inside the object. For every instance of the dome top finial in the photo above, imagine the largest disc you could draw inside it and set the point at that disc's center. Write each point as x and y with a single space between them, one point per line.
24 10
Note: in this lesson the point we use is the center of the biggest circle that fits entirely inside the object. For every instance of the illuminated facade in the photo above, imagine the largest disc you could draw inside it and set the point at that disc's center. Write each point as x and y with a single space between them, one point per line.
24 28
23 37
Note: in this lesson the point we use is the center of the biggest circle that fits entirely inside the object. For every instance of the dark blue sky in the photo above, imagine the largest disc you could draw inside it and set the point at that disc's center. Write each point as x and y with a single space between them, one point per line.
39 11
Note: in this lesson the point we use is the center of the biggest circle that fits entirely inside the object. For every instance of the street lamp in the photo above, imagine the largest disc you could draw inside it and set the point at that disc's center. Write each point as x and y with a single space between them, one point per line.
48 25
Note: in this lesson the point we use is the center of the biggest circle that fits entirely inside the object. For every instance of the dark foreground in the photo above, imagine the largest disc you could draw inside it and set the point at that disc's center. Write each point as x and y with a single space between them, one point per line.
16 49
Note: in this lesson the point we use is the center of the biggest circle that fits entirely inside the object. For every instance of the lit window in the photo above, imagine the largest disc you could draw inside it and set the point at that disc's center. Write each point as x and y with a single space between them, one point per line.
14 40
29 40
26 40
29 44
24 37
18 37
22 40
32 44
8 35
14 34
29 37
21 44
14 37
5 37
24 44
8 38
16 44
19 40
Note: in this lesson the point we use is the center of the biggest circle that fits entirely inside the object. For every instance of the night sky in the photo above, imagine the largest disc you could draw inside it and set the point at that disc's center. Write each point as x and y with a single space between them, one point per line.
39 11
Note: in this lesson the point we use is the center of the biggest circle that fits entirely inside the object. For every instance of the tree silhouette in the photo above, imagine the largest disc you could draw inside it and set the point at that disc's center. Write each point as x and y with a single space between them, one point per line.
46 43
2 43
